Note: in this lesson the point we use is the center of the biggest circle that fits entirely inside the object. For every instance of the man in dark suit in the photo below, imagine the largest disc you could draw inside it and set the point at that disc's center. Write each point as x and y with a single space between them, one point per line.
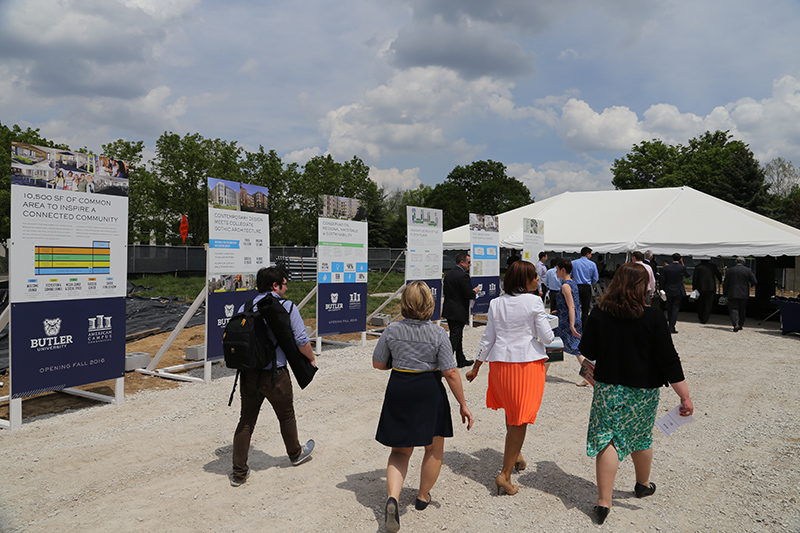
704 281
736 287
672 277
458 291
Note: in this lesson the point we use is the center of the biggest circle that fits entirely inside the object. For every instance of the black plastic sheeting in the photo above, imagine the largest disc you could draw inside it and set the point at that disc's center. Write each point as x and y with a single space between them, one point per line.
143 314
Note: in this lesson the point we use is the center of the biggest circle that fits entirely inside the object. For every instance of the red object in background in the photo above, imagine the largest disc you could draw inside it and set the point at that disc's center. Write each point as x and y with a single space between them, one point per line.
184 228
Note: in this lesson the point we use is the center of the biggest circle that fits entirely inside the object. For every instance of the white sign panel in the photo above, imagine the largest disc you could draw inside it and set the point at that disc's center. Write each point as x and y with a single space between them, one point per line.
67 245
424 259
532 239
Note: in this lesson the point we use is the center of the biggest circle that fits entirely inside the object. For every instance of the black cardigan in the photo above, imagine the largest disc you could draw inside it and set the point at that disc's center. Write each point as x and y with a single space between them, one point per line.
635 352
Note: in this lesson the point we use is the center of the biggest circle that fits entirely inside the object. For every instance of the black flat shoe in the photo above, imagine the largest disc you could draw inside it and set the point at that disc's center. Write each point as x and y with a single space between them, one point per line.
466 363
420 505
601 513
642 491
392 516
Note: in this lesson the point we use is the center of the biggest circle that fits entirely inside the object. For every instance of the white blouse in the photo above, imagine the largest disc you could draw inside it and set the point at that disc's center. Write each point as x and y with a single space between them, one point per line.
518 330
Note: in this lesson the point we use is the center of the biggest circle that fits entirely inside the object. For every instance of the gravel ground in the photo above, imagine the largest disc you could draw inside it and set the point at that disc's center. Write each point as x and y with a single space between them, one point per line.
161 460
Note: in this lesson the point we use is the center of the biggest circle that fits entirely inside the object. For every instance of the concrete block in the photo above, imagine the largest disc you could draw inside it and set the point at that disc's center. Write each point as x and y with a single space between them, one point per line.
195 353
136 360
381 320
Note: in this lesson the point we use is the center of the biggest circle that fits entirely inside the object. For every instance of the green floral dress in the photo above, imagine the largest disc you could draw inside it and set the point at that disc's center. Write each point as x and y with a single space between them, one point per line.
623 414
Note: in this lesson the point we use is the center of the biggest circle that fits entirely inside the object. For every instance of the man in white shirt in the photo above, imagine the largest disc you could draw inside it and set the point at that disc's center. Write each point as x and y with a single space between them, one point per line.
541 270
637 257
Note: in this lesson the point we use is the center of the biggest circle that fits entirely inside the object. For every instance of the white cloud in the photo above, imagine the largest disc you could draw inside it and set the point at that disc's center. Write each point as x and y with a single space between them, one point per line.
770 126
392 178
301 157
414 111
249 67
557 177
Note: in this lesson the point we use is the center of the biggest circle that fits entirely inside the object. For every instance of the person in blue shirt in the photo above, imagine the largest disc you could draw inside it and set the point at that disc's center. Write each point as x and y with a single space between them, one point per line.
259 384
585 274
553 283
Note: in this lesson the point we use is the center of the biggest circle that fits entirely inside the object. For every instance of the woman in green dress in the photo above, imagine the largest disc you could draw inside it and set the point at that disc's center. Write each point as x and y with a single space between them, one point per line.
634 354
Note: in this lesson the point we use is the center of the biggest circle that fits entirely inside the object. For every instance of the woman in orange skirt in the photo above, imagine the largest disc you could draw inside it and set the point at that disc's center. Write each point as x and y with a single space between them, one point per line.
514 345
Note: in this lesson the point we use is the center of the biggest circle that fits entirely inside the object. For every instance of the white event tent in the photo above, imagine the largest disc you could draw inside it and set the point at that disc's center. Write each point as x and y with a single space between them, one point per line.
665 221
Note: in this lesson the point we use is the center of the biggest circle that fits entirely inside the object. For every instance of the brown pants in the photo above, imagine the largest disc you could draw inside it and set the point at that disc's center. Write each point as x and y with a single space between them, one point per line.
255 386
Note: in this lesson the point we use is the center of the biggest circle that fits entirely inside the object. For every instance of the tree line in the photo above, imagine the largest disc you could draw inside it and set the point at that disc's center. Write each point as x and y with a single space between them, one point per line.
175 183
718 165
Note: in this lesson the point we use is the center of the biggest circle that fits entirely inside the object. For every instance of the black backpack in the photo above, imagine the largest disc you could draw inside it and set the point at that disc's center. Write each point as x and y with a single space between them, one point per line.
246 344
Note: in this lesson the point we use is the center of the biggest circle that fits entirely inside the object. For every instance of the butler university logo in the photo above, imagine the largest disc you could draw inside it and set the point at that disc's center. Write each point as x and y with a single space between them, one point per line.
334 305
53 341
229 310
99 329
52 326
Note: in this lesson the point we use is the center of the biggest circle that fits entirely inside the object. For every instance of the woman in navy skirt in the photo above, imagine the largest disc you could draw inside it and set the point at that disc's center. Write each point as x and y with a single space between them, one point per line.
416 411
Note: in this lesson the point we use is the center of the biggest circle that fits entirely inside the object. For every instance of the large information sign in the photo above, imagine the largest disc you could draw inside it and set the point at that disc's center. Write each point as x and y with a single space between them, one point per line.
484 239
532 239
424 259
238 246
67 270
341 267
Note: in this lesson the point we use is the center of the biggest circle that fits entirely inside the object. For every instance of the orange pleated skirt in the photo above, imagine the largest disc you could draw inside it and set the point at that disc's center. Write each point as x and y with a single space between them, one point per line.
517 388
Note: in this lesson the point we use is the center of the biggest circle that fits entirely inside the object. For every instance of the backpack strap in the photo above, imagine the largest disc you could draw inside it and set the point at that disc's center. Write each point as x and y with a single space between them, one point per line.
230 400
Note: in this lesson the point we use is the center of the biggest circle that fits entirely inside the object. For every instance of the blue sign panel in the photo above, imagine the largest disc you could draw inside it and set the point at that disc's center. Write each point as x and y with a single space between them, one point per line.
341 308
489 289
65 343
436 291
221 307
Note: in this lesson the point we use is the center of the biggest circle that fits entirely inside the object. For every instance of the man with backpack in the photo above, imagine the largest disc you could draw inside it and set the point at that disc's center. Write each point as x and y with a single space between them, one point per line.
275 386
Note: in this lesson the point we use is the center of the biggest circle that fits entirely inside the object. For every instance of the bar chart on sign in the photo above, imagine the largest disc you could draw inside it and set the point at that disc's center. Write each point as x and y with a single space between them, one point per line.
73 260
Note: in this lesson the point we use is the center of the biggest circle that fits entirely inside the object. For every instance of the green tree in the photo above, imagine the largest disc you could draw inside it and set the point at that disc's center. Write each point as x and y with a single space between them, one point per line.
480 187
645 166
184 164
712 163
781 176
322 175
147 194
267 170
395 205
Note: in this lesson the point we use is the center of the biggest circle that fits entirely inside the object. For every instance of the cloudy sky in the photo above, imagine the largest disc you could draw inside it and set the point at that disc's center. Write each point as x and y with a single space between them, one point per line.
556 90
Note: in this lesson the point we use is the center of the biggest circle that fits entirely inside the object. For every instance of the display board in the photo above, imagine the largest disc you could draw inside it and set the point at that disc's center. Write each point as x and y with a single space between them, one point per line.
532 239
67 270
424 258
238 246
484 239
341 267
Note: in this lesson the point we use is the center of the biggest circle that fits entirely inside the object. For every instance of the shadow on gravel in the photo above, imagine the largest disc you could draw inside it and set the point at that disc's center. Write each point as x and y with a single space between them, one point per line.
573 491
481 466
256 460
369 489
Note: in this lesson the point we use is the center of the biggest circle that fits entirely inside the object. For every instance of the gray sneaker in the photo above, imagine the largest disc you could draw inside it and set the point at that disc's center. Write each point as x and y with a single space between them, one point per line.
308 447
235 482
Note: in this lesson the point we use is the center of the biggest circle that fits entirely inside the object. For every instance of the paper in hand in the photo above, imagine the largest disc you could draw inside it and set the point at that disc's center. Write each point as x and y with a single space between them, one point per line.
672 421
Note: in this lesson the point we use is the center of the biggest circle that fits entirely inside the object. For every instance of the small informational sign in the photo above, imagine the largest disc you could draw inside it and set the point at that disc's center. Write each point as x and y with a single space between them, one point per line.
484 234
238 246
424 258
532 239
67 270
341 267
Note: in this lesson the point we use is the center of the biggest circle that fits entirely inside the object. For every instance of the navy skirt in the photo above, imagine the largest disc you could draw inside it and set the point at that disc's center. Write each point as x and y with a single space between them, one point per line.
415 409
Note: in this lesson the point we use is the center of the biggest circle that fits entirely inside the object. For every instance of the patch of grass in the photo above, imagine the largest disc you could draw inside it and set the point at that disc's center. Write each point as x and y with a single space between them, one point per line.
168 285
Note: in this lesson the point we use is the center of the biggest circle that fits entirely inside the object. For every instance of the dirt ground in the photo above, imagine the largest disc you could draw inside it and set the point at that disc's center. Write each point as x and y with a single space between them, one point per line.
160 461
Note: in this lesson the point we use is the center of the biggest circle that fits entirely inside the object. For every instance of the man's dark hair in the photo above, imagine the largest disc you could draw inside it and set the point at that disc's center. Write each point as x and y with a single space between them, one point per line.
585 250
676 257
542 254
461 257
267 277
554 261
637 255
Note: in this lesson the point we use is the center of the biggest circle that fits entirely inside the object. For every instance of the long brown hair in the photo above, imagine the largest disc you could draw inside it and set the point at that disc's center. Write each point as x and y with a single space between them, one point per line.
626 295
